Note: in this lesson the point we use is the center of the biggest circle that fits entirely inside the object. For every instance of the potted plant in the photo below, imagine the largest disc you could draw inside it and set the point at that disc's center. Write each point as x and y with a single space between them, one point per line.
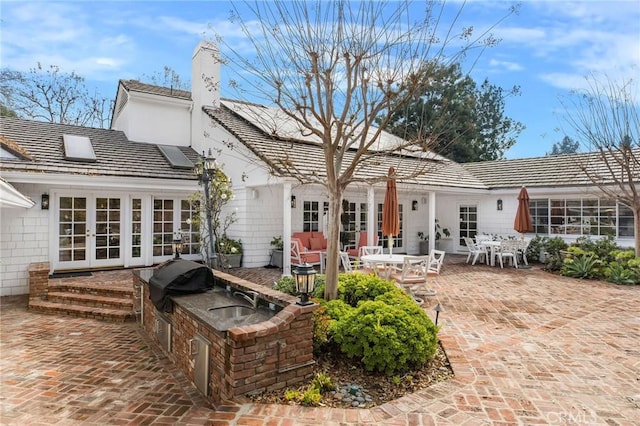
424 242
277 247
229 253
439 232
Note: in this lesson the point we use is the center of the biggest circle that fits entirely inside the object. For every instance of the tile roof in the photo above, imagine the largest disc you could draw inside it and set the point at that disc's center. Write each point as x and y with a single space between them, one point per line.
304 156
549 171
116 155
137 86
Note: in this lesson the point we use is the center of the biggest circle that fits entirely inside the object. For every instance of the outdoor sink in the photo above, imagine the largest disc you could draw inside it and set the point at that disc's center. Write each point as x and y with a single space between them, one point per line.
232 311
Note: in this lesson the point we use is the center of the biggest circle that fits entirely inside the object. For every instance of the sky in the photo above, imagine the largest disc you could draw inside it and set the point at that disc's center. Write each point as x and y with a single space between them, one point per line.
547 49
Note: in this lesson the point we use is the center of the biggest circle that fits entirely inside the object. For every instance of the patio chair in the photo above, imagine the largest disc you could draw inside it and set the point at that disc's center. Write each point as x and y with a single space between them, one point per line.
414 273
478 252
354 251
508 250
353 265
436 260
522 250
298 256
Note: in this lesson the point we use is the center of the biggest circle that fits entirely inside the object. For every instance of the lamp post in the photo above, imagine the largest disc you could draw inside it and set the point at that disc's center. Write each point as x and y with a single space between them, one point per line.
208 173
177 244
305 277
438 309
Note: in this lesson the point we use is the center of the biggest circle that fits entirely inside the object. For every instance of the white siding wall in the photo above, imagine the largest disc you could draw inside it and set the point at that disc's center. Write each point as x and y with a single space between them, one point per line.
163 123
24 239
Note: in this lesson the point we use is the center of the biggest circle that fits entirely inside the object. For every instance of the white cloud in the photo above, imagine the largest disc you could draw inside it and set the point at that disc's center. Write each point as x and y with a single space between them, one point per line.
505 65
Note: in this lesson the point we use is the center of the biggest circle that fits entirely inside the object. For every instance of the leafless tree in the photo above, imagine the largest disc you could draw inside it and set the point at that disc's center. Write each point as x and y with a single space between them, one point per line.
48 94
606 117
335 67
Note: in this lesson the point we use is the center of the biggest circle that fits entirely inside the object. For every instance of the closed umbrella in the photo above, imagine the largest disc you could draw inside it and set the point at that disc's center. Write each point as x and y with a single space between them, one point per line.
390 214
523 222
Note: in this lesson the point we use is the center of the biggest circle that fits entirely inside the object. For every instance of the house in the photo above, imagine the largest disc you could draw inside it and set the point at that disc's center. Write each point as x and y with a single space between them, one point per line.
115 198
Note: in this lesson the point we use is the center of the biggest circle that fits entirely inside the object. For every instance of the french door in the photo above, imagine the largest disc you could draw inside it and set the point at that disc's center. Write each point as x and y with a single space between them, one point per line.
89 232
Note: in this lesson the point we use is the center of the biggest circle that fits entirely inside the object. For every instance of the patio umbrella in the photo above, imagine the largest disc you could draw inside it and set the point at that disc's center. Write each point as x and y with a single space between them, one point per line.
523 222
390 214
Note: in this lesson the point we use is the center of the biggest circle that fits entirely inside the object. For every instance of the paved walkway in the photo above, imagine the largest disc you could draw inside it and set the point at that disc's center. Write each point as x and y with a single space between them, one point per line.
526 347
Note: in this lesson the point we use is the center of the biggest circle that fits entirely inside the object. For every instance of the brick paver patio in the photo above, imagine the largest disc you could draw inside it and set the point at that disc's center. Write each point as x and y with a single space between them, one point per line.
527 347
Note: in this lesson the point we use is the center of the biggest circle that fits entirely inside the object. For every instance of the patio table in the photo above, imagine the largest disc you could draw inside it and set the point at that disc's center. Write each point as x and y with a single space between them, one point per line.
492 247
389 261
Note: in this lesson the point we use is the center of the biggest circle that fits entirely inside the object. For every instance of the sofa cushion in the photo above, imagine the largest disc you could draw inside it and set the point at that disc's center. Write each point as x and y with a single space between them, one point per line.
324 240
304 237
316 243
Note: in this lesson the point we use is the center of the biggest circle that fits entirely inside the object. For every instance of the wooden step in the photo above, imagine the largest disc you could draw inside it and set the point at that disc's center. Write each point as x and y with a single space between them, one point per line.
100 313
125 303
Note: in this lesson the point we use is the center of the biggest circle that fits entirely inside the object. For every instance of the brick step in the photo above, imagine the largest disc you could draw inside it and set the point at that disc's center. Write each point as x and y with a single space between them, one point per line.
93 289
105 314
91 300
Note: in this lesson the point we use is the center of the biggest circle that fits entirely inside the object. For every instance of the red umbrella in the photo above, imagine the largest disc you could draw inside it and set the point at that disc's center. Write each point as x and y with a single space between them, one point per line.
390 214
523 222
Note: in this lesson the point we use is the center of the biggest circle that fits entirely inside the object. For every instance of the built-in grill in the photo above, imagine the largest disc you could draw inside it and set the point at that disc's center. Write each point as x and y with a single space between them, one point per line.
176 277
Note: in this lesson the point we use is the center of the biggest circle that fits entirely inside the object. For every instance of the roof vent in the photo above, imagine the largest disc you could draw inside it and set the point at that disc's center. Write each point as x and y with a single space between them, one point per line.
78 148
175 157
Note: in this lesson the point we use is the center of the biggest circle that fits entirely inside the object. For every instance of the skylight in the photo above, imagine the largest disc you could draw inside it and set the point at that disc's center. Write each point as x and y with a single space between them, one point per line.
175 157
78 148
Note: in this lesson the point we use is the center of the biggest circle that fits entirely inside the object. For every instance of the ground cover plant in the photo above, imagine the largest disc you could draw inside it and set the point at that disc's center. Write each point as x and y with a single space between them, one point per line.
374 340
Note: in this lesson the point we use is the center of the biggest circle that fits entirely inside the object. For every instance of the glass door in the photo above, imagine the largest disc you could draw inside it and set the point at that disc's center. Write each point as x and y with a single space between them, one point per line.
468 223
88 232
73 232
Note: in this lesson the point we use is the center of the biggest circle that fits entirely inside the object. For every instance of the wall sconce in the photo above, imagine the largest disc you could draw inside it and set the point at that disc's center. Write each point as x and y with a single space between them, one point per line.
293 201
414 205
499 204
44 202
305 277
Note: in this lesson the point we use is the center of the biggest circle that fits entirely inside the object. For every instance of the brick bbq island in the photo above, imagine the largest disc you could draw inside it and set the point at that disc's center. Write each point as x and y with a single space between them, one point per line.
234 339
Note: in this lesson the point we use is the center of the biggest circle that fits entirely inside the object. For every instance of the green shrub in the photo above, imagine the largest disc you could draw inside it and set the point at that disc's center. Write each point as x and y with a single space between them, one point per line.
311 397
286 285
536 245
387 337
354 288
323 383
617 273
602 248
554 258
582 265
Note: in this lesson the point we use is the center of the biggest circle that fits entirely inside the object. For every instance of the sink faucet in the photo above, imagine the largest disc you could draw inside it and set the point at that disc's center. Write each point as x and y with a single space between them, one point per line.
249 296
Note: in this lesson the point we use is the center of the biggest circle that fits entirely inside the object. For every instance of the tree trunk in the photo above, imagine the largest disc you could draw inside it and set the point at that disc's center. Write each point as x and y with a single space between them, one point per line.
636 227
333 241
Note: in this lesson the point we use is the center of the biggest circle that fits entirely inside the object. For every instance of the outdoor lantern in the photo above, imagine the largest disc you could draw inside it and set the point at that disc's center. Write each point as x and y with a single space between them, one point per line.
438 309
44 202
208 173
499 204
177 245
414 205
305 277
293 201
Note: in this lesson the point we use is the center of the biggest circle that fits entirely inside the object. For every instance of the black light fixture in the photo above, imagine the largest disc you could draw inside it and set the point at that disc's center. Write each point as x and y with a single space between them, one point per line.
499 204
177 244
414 205
208 173
305 277
293 201
44 202
438 309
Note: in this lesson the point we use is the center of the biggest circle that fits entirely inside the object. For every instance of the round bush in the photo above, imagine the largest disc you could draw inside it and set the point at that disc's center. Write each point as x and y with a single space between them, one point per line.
388 338
353 288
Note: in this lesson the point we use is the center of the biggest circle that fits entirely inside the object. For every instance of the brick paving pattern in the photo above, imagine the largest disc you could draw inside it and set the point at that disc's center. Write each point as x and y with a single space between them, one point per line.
527 347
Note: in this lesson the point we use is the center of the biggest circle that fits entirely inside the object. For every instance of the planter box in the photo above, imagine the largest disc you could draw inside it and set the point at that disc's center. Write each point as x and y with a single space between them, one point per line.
276 258
424 247
224 261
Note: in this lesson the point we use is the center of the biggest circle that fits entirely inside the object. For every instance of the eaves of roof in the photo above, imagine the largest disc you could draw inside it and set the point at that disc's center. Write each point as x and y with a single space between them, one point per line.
116 155
137 86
